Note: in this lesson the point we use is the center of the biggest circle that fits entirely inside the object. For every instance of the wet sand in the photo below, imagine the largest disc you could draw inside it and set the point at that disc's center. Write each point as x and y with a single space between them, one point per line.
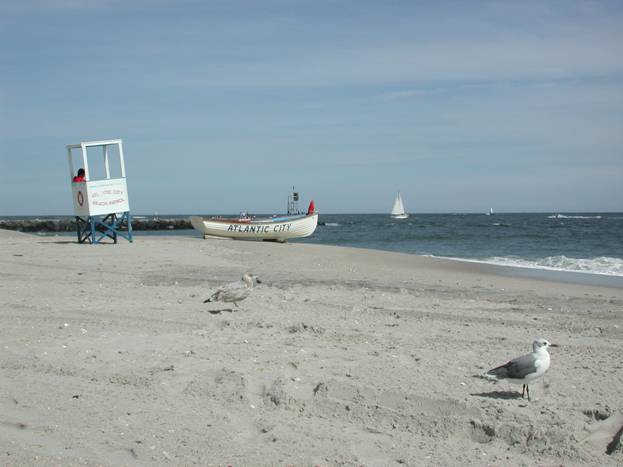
340 357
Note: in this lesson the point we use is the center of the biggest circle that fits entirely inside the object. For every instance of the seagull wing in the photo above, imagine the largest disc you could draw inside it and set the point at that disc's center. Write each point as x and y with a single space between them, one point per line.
223 293
517 368
232 287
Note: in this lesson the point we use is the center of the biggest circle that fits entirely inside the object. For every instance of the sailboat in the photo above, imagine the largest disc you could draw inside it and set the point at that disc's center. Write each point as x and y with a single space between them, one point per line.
398 211
490 213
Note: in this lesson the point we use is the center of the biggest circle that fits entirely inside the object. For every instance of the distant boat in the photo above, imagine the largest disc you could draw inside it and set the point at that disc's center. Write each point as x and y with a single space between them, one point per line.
398 211
490 213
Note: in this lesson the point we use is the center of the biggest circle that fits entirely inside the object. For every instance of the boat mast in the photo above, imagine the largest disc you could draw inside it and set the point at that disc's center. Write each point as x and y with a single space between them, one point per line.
293 202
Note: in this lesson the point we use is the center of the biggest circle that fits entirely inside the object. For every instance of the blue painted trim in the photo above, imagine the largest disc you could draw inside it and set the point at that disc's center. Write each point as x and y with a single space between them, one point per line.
284 218
109 227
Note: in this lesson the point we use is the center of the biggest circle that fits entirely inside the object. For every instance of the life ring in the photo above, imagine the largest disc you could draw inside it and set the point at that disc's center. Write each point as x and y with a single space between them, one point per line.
80 198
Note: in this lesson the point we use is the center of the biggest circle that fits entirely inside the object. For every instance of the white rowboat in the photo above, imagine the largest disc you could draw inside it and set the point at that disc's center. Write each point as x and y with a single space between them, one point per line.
274 228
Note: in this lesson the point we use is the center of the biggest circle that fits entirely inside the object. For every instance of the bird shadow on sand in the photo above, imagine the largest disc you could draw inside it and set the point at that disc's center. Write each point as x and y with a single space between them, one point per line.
76 242
62 242
216 312
498 395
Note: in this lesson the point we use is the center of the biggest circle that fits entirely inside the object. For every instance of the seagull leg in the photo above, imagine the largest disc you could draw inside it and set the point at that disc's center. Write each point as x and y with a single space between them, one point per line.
523 390
528 391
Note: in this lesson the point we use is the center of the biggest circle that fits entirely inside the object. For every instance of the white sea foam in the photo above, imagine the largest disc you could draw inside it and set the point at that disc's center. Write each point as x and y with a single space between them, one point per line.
332 224
601 265
563 216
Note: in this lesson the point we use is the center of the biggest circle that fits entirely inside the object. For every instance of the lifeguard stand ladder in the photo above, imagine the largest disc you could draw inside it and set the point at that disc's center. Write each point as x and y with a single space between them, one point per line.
101 206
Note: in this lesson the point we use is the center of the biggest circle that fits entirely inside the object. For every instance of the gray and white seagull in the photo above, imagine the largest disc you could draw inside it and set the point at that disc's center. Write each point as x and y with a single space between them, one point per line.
234 292
524 369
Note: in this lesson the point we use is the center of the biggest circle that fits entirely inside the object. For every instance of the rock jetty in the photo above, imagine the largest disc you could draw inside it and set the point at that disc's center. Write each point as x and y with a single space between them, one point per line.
68 224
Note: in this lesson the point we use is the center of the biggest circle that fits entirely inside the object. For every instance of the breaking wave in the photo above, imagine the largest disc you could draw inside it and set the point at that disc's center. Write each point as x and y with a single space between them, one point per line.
563 216
601 265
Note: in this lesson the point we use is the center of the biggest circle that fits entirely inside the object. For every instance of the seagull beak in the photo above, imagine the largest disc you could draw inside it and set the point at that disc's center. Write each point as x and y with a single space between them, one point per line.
554 345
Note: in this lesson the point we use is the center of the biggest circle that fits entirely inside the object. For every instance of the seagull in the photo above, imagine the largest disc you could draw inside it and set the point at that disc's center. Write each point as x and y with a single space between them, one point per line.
234 292
524 369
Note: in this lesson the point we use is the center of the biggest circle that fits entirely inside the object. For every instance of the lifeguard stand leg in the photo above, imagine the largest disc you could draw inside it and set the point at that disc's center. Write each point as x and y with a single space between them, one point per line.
83 229
129 221
92 226
94 229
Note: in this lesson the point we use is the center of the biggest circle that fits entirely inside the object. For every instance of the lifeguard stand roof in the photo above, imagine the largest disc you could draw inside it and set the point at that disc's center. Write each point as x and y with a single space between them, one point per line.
104 142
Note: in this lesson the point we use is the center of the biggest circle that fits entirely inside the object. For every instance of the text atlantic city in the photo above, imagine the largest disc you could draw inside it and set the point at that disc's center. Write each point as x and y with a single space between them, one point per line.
258 228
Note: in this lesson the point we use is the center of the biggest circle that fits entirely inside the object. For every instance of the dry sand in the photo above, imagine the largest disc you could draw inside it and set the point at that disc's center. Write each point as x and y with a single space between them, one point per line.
341 357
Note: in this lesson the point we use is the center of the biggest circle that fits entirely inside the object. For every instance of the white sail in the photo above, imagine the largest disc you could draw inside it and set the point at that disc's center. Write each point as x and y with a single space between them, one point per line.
398 211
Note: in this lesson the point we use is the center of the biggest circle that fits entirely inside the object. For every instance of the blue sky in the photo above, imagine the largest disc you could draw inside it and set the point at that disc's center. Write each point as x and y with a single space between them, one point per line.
225 105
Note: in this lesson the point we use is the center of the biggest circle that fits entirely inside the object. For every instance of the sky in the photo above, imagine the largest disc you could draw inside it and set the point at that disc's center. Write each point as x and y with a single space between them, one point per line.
224 106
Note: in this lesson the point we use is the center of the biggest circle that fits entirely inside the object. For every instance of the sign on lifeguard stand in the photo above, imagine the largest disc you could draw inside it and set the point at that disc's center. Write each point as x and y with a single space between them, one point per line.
101 206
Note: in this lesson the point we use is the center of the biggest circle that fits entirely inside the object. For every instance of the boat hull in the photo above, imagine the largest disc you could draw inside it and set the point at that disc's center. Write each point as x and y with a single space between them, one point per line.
280 229
399 216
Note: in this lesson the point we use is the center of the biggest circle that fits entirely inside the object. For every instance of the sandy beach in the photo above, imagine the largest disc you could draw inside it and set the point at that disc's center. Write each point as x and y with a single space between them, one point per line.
340 357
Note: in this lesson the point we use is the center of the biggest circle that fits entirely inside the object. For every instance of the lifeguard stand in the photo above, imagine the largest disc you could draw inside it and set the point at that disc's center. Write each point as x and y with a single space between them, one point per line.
101 206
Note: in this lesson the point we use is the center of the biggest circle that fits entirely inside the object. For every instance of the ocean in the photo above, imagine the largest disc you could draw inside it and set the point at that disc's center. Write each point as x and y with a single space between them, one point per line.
579 242
565 242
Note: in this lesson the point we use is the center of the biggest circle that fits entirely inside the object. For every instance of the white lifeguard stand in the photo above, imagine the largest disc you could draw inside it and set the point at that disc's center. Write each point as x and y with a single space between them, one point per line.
101 206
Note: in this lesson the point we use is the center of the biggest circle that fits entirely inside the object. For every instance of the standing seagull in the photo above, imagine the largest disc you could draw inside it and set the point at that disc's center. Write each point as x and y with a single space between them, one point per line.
234 291
524 369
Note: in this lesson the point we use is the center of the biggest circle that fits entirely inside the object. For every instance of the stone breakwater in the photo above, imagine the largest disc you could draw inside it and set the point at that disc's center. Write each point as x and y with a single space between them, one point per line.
69 224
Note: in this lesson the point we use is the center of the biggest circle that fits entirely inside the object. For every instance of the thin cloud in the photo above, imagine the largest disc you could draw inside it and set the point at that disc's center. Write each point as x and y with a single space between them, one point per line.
405 94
